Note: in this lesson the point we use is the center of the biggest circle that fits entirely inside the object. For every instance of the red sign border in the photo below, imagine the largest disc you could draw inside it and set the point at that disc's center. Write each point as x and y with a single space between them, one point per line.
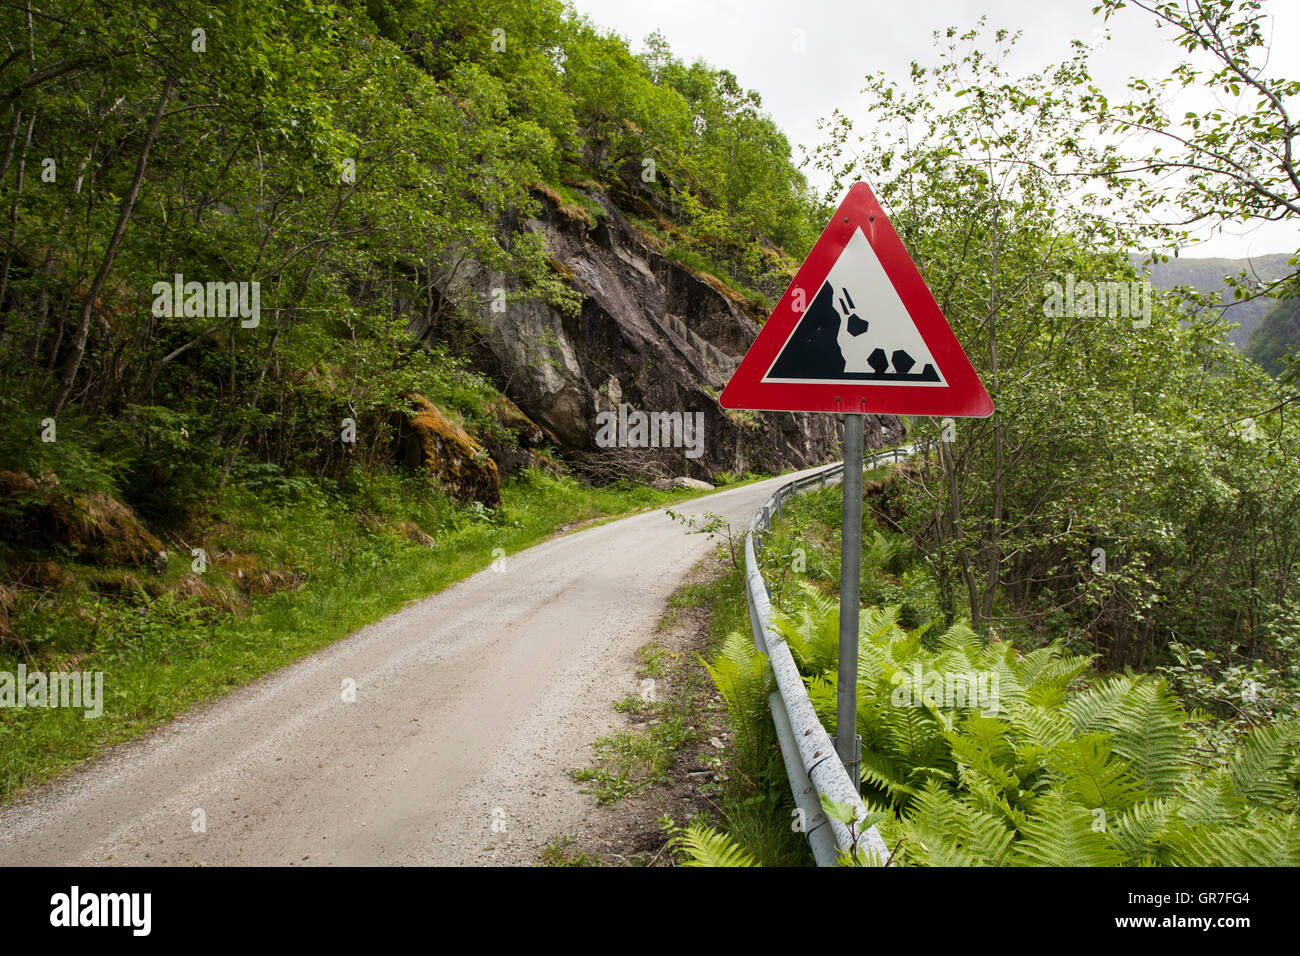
964 396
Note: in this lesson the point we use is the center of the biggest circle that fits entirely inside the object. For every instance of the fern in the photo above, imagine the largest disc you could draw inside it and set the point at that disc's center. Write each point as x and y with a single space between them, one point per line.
1057 775
1146 723
813 633
981 749
1144 830
1213 799
705 846
1061 833
1086 772
1040 726
1267 842
1264 768
879 625
741 674
942 831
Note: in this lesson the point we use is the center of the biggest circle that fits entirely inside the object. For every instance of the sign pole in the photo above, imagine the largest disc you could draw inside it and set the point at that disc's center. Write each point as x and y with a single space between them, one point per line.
847 742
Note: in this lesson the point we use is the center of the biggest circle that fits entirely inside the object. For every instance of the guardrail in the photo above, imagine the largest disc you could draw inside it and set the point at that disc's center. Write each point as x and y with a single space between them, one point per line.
811 762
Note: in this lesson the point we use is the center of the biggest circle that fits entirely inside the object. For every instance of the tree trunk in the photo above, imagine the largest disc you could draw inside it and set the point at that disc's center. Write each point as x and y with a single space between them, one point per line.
954 525
994 558
110 253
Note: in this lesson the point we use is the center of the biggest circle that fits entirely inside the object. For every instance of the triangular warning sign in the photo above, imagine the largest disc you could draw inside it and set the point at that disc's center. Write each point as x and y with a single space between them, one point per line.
858 331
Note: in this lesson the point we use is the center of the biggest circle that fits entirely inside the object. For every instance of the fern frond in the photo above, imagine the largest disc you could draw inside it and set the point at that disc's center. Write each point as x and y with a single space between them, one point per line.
993 802
1094 709
1144 829
981 747
1086 771
812 634
1061 833
1272 841
886 776
961 638
1040 726
1213 800
1032 664
739 671
879 625
941 830
1063 671
705 846
1148 726
1264 767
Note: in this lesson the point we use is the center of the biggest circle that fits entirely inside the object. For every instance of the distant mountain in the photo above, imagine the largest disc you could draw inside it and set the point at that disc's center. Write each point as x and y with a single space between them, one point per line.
1208 275
1276 335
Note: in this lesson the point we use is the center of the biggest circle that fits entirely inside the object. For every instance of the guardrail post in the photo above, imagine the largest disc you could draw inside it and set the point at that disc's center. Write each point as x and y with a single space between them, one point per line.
847 743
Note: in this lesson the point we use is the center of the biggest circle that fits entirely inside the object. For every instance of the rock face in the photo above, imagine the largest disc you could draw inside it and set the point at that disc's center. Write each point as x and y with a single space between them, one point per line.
652 335
431 441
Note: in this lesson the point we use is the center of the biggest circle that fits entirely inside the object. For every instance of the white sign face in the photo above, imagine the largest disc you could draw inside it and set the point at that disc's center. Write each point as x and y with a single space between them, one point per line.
856 330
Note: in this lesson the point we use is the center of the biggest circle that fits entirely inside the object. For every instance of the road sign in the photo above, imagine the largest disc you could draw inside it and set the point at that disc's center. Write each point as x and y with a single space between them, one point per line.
858 332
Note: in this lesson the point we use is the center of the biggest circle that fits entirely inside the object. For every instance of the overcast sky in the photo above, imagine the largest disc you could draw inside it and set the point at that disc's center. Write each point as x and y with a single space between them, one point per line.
847 39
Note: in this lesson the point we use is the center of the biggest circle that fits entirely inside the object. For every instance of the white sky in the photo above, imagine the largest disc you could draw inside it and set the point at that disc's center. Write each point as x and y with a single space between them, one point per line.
847 39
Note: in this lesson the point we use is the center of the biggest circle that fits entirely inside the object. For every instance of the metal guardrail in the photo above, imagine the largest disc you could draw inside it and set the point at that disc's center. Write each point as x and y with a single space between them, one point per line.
811 762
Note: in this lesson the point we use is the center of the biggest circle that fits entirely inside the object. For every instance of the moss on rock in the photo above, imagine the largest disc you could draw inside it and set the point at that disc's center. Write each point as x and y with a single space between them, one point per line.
430 441
95 527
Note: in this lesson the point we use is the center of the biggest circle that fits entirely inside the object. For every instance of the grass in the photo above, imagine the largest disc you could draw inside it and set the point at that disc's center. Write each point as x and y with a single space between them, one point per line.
343 558
630 760
689 595
653 660
558 853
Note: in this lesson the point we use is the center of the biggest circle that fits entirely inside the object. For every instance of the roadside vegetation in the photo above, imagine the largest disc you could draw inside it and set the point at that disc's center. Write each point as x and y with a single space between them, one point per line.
987 751
687 758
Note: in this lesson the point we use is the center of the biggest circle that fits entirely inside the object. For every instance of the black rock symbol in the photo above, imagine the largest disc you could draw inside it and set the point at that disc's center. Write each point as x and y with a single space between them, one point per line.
855 325
903 362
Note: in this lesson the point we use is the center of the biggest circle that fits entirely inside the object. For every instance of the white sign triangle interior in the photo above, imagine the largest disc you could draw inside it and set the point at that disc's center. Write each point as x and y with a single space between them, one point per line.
872 297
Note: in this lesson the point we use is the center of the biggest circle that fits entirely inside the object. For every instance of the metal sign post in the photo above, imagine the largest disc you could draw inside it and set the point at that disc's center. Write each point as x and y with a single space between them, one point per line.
847 742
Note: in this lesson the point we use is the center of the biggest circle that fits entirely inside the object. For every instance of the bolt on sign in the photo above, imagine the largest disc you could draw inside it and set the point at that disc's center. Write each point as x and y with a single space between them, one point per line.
858 332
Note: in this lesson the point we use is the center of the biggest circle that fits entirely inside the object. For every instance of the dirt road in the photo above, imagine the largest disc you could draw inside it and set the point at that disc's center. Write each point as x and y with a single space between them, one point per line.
470 708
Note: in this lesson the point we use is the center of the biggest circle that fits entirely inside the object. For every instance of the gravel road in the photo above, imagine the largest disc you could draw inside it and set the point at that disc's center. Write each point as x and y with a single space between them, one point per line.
470 708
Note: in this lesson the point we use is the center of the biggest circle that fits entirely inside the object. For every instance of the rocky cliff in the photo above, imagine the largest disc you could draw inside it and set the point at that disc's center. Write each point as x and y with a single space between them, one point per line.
652 335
